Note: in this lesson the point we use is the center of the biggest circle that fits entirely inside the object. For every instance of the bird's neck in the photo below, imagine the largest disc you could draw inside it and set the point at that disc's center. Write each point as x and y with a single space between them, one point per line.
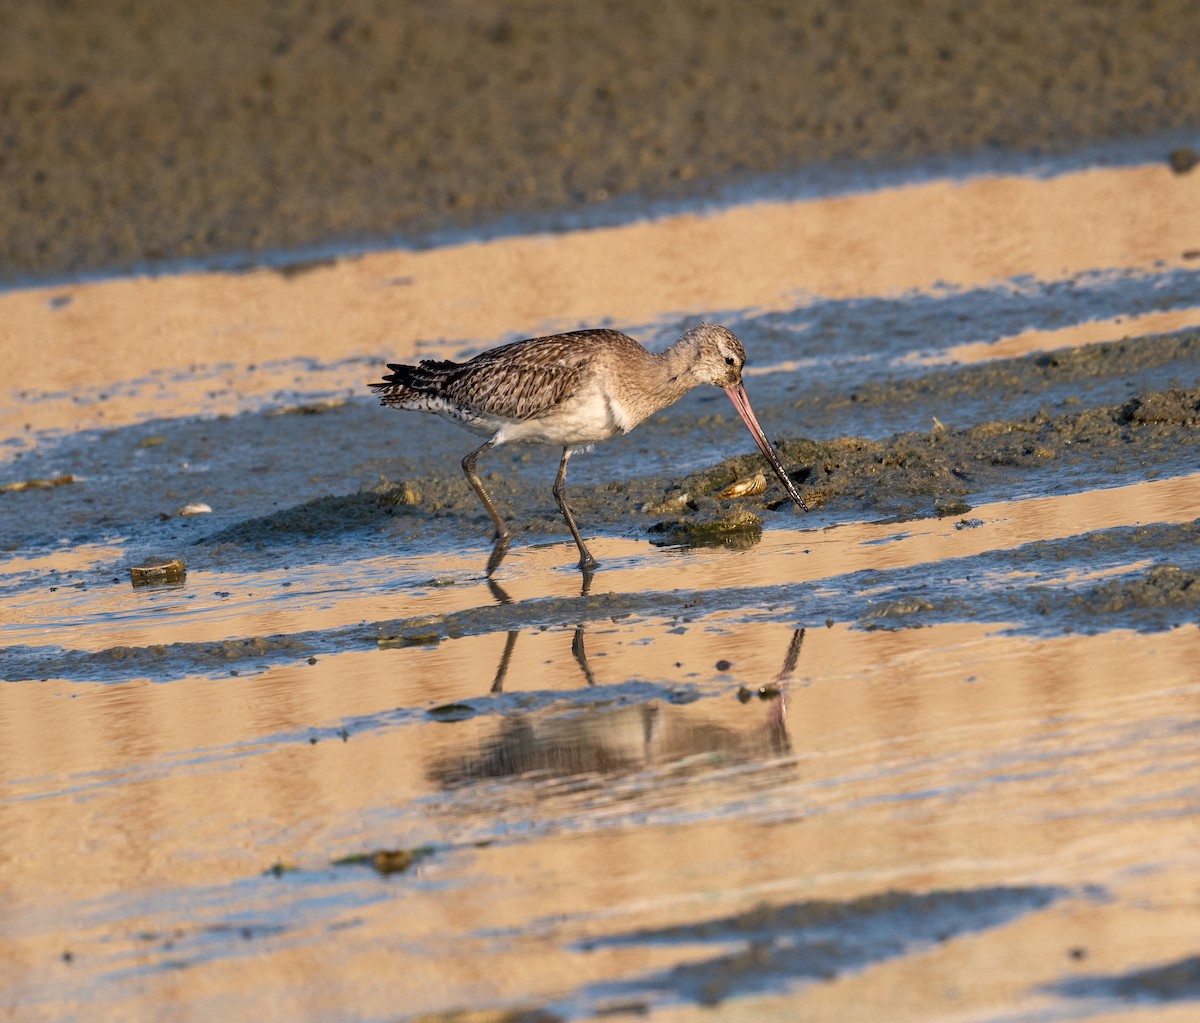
666 377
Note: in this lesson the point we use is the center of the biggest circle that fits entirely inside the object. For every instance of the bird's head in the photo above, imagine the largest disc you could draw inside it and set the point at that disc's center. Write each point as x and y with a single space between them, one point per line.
718 355
717 358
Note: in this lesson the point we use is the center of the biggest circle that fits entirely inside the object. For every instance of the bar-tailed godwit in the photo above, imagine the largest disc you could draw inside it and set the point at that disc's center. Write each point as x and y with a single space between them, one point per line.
572 390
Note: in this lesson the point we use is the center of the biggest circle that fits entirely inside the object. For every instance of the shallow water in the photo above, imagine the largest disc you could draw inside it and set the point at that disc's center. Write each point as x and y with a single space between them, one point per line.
914 755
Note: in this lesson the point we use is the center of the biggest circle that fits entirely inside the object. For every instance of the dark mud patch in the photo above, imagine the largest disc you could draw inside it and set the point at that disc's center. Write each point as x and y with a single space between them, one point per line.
980 587
1065 373
519 1015
907 610
1162 587
407 510
456 116
130 481
1173 982
1110 547
1160 599
780 946
159 661
737 528
908 473
328 515
1173 408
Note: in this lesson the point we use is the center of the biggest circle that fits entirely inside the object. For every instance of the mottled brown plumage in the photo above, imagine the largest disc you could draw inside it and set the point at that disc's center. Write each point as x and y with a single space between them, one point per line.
571 389
521 380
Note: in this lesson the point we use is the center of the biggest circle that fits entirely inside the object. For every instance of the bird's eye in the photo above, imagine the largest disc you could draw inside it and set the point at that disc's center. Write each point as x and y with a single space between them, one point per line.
728 360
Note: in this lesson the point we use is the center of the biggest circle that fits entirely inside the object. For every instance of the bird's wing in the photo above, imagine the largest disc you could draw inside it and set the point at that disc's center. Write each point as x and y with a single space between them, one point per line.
522 380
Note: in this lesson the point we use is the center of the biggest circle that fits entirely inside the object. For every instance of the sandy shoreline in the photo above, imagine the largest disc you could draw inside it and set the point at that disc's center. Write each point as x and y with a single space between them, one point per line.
925 752
171 131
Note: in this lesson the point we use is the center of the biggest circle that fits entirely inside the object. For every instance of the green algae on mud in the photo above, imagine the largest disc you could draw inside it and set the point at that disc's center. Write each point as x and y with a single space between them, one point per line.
386 862
735 527
36 484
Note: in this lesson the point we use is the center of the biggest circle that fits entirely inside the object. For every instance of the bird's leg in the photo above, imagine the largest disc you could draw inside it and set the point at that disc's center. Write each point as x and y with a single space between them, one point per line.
580 654
502 668
499 550
468 464
586 561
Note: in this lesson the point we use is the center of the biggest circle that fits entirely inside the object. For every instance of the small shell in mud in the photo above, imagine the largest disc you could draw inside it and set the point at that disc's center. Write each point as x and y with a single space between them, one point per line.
157 571
405 494
396 493
195 508
747 487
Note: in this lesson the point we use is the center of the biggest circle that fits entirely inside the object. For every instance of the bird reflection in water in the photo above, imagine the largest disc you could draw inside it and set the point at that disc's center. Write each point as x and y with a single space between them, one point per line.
618 740
500 595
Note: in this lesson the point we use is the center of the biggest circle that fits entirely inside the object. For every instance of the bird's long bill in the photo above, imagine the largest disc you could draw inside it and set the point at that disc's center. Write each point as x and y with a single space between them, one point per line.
737 394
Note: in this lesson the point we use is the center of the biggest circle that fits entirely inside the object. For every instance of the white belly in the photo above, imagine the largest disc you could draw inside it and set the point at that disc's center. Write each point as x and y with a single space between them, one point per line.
589 417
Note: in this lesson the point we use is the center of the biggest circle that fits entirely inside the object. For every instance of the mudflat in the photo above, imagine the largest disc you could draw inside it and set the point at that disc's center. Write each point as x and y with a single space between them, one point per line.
143 134
272 744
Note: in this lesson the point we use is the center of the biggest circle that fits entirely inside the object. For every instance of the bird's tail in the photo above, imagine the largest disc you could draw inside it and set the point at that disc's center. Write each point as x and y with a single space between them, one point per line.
405 383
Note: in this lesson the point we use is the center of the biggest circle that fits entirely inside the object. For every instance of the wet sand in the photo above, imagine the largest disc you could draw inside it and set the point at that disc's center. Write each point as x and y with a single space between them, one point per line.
763 764
926 752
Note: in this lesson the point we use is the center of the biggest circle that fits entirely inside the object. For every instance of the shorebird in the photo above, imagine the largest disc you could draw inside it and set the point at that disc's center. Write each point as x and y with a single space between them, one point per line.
573 390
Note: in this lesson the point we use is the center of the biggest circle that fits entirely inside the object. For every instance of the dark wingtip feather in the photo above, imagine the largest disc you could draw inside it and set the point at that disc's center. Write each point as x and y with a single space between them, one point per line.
404 379
391 381
400 374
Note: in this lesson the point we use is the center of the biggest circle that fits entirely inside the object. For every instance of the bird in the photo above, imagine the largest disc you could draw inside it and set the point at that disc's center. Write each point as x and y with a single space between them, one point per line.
573 390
